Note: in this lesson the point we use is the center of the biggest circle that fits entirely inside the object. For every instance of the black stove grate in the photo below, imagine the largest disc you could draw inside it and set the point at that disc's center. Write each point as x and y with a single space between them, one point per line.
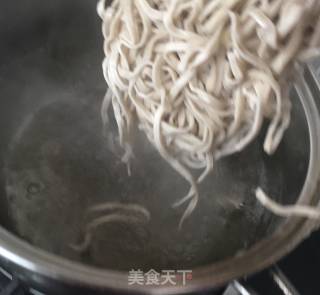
10 285
13 288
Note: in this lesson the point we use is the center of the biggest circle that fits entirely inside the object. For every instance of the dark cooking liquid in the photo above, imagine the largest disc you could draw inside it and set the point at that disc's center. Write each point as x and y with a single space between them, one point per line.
60 164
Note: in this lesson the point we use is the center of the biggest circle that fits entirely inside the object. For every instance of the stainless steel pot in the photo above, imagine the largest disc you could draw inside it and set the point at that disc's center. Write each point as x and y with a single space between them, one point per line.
56 162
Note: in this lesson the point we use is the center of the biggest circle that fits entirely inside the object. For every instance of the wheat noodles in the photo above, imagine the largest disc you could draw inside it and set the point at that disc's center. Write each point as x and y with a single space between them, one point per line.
200 77
114 213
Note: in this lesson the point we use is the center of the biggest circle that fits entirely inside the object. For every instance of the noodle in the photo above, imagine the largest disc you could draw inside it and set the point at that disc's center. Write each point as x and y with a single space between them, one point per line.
287 210
201 77
124 213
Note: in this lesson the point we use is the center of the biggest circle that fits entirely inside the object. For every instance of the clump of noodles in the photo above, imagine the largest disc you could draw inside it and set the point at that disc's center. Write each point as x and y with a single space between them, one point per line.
200 77
112 212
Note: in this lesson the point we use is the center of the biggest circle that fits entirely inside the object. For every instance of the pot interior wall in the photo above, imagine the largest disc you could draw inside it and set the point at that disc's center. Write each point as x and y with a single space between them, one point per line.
57 160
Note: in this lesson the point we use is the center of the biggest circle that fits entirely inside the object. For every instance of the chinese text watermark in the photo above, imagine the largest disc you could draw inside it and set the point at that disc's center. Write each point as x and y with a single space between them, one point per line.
165 277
